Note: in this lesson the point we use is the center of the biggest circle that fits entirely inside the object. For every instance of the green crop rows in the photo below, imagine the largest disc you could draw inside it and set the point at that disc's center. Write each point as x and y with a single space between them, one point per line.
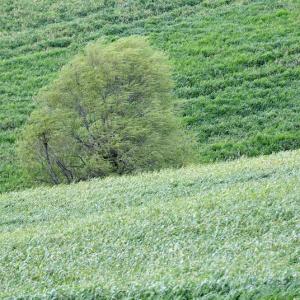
228 230
221 231
236 66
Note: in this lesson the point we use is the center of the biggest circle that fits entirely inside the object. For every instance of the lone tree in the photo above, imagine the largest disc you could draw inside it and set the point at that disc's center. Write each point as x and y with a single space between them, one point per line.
109 112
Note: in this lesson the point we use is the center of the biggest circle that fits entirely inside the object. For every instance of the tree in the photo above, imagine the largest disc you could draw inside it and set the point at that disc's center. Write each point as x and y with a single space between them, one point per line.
109 111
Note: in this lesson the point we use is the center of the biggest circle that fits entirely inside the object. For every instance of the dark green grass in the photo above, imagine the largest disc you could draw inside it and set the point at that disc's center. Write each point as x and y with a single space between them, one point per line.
236 66
220 231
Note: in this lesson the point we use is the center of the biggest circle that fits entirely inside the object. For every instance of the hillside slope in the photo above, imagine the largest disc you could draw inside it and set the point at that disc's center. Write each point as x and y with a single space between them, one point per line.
216 231
236 65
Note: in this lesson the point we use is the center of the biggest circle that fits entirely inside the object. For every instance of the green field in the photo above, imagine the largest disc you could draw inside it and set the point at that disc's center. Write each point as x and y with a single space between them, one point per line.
220 231
236 65
224 228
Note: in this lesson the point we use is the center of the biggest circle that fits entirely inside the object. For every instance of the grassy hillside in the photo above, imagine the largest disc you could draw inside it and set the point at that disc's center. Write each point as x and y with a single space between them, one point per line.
236 65
216 231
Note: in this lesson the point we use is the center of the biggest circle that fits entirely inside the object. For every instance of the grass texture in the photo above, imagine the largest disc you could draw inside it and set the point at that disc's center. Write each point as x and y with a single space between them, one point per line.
219 231
236 66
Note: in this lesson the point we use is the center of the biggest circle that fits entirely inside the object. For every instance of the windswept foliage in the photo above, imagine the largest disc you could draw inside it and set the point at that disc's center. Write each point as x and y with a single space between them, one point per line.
221 231
109 111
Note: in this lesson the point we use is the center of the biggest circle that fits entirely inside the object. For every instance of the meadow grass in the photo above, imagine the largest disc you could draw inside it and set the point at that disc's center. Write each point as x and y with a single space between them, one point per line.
236 66
219 231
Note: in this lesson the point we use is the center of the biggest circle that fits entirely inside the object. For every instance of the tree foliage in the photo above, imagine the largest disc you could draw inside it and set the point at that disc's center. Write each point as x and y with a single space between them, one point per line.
109 111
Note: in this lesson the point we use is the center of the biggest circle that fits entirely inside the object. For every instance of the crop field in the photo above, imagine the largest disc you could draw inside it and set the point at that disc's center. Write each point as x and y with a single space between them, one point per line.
236 66
227 227
219 231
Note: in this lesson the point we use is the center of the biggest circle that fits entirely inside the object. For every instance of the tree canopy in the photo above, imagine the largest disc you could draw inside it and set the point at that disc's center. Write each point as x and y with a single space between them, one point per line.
110 111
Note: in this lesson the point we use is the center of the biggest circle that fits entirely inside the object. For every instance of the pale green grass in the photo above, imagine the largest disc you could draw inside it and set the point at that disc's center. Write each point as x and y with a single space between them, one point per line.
226 230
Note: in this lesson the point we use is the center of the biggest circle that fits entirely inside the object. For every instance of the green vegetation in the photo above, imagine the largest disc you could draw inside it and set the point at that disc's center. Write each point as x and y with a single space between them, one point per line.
226 230
236 65
109 112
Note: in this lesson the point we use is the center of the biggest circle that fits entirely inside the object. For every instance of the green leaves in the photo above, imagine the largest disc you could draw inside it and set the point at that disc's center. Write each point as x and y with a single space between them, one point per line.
109 111
236 65
222 231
